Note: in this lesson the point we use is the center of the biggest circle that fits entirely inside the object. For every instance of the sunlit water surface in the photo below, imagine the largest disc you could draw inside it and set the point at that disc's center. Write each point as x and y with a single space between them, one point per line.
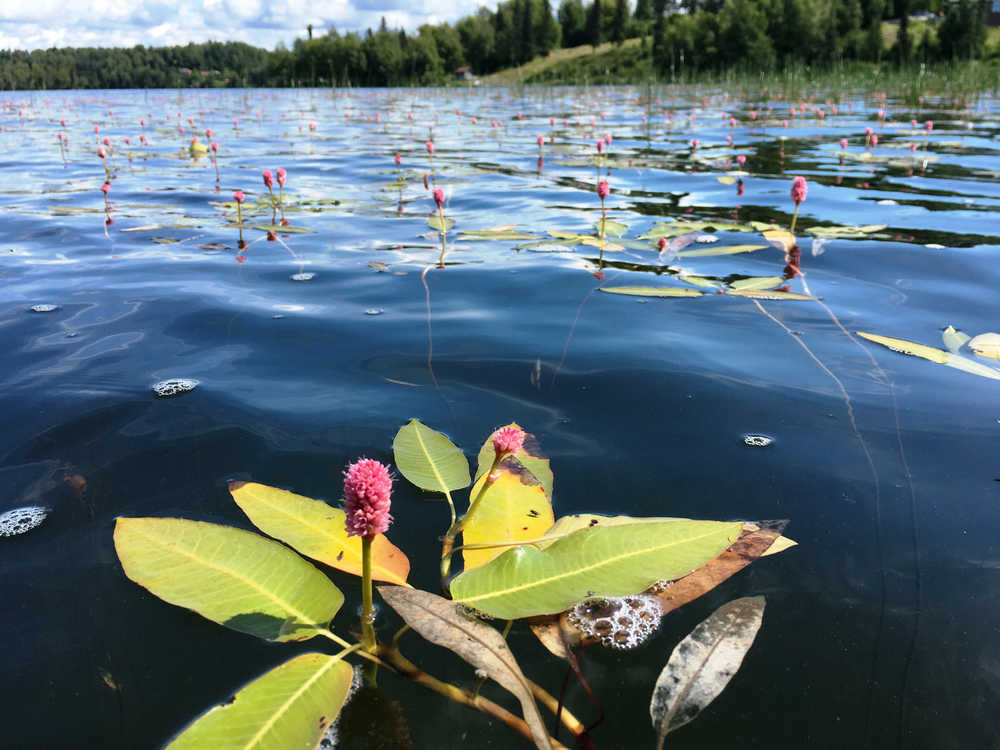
881 625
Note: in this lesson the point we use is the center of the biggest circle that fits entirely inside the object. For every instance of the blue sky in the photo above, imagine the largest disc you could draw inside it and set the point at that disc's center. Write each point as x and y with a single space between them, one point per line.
32 24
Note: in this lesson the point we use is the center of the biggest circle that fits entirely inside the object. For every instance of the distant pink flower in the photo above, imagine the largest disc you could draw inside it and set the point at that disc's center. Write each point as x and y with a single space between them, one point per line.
929 125
238 196
142 138
874 139
541 140
63 123
367 497
662 243
603 189
741 160
142 123
430 147
607 139
106 188
97 129
208 133
868 131
101 152
215 146
312 126
399 160
694 143
913 147
439 197
799 190
128 141
508 440
268 178
107 141
843 143
600 147
281 175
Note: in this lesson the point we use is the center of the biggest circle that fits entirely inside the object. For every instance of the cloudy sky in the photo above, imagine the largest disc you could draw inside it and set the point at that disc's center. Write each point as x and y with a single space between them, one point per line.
33 24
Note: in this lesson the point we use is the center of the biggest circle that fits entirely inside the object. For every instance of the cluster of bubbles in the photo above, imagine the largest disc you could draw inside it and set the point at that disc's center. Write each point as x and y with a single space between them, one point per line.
20 520
174 387
618 621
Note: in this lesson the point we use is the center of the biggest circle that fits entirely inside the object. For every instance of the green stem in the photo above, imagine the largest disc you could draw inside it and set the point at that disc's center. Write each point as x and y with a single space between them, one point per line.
604 219
794 217
444 235
367 626
448 543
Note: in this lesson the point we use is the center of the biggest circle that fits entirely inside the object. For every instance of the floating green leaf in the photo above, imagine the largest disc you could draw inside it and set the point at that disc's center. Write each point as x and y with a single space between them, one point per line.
434 222
845 231
986 345
611 228
702 664
317 530
233 577
429 459
723 250
756 282
280 229
675 228
289 708
938 356
651 291
599 561
444 623
768 294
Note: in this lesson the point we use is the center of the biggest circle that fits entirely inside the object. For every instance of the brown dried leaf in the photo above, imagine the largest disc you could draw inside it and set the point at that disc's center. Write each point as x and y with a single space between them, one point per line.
445 623
753 542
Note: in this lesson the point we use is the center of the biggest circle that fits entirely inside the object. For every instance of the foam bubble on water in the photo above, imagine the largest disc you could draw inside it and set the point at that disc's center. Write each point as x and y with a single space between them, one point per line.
374 311
20 520
757 441
332 734
706 238
307 276
174 387
44 308
618 621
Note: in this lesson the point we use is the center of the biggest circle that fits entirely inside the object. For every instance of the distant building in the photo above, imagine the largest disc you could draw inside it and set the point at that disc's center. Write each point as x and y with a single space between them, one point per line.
465 74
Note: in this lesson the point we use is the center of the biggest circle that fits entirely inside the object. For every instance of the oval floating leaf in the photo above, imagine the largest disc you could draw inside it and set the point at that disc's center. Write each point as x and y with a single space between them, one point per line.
443 622
651 291
599 561
611 228
756 282
429 459
282 229
233 577
702 664
289 708
317 530
514 507
939 356
434 222
724 250
774 294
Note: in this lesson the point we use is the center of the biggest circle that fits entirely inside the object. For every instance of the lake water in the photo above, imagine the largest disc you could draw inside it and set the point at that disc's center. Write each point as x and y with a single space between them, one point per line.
881 625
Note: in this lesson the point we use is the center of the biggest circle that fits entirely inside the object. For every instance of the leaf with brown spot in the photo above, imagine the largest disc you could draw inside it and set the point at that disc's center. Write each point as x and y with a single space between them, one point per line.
754 541
444 623
530 456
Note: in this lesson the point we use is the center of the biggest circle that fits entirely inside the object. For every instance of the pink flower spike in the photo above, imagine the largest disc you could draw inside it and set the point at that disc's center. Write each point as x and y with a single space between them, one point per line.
281 175
600 147
799 190
238 196
101 152
128 141
97 129
439 197
843 143
430 147
208 133
106 188
694 143
541 140
508 439
662 243
929 125
268 178
215 146
741 160
107 141
874 139
399 160
603 189
367 497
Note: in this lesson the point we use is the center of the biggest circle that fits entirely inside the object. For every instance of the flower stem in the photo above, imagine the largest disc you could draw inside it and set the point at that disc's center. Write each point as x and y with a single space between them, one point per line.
367 626
794 217
444 235
604 219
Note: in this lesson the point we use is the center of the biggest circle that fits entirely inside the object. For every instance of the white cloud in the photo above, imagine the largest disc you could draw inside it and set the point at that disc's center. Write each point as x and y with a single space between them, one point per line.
263 23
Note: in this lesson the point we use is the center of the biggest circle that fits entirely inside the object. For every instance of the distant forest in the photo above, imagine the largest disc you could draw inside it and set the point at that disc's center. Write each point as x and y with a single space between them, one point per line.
695 35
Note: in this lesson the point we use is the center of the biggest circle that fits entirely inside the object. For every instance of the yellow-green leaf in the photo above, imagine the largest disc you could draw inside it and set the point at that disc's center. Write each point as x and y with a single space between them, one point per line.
986 345
281 229
706 252
780 238
756 282
233 577
598 561
651 291
434 222
611 228
768 294
429 459
779 545
317 530
938 356
288 708
514 507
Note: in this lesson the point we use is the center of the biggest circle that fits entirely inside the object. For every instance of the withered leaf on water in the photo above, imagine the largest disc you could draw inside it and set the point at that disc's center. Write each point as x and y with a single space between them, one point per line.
445 623
703 663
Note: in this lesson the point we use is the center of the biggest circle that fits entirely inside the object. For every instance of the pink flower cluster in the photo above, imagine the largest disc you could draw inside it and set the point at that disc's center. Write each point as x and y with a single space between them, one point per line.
799 189
603 189
508 440
367 490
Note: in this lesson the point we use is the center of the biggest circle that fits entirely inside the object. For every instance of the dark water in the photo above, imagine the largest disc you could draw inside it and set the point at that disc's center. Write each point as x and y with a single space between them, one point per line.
881 626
